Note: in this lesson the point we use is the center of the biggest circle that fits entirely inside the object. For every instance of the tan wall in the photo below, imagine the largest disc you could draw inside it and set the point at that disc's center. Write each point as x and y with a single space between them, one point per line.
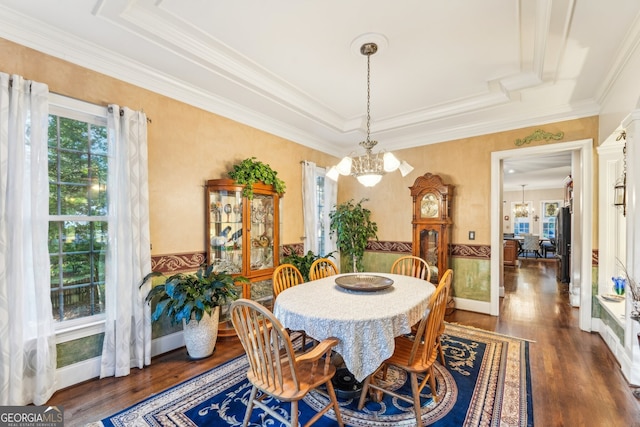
465 163
186 146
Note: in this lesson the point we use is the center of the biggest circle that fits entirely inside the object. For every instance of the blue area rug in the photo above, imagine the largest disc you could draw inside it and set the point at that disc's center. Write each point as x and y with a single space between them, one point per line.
486 383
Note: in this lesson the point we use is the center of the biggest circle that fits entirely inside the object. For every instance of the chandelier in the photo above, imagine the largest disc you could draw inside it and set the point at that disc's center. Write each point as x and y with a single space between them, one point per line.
369 167
522 209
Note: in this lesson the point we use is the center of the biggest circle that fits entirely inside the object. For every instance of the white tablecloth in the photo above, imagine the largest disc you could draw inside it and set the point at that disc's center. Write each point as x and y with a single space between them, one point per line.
365 322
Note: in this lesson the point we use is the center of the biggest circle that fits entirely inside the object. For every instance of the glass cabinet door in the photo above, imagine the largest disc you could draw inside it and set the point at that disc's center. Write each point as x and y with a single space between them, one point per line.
429 250
225 231
262 232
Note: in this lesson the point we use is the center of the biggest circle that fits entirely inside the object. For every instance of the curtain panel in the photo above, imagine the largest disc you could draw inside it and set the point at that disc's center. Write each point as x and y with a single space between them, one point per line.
27 336
310 206
312 222
127 341
330 203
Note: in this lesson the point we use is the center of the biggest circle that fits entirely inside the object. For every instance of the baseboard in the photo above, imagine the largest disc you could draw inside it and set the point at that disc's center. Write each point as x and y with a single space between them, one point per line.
473 305
167 343
89 369
614 345
78 372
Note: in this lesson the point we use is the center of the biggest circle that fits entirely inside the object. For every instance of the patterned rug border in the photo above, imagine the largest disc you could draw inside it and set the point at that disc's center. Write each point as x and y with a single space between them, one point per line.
501 394
460 325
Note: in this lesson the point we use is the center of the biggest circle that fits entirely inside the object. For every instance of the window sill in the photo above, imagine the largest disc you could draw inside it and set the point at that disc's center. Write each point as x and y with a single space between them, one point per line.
76 330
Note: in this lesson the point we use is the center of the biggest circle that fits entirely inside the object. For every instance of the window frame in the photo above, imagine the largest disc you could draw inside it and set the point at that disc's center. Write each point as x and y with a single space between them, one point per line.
516 221
75 109
551 219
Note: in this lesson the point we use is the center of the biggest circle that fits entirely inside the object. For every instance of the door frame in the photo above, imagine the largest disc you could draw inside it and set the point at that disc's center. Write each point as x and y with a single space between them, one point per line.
580 288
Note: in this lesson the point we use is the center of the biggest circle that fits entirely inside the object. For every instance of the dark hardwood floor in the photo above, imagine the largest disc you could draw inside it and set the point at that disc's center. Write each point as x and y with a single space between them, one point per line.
576 380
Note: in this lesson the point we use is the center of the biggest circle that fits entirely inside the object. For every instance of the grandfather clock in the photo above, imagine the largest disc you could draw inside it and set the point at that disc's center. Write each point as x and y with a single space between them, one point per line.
432 222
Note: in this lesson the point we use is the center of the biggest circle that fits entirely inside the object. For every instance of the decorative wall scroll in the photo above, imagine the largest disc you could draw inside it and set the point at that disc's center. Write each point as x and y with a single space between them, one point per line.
539 135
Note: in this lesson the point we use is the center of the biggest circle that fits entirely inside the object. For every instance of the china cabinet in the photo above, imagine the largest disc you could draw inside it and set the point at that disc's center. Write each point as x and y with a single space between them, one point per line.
432 222
243 238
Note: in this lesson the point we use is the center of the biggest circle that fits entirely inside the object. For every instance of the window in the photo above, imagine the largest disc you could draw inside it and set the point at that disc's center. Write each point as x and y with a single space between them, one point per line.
323 215
549 212
319 199
78 224
521 223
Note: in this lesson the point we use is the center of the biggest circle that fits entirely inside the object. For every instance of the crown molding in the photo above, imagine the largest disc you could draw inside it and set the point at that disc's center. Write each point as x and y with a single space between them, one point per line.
622 57
458 119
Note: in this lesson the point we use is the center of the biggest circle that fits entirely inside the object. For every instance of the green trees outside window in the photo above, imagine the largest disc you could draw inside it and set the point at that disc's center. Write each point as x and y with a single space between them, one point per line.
78 209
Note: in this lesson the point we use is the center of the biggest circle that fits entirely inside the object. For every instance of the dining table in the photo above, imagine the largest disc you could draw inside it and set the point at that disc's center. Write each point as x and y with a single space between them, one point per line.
366 321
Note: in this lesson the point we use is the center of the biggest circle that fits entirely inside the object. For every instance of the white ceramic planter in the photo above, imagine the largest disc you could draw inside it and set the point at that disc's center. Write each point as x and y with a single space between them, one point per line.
200 337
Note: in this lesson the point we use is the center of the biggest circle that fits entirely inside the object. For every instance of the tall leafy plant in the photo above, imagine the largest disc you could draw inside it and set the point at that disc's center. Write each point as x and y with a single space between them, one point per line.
352 225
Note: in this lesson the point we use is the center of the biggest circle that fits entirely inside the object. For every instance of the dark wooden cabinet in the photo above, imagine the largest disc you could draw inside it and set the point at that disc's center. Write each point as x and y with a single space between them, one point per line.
432 222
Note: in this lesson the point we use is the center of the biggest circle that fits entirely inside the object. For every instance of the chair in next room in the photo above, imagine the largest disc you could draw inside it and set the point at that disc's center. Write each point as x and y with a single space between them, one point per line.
531 244
548 247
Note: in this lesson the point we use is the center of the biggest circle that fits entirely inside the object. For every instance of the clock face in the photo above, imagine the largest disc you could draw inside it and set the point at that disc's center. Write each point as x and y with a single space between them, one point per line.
429 207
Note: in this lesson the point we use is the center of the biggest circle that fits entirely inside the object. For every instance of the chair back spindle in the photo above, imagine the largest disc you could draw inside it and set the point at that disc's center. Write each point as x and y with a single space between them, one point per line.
414 266
424 346
284 277
321 268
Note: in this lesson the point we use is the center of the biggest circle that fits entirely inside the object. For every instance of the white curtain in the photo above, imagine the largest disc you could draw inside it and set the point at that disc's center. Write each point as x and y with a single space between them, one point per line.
330 202
310 206
310 174
127 341
27 336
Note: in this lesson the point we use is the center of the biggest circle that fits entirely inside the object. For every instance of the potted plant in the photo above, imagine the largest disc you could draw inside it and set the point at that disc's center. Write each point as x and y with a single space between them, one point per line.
194 300
249 171
353 227
302 262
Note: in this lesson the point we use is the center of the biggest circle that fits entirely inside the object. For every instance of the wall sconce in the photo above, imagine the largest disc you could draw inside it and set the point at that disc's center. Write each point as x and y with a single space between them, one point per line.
536 218
620 188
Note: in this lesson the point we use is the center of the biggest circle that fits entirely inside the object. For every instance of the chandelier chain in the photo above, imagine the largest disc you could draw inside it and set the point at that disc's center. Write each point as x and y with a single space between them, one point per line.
369 167
368 97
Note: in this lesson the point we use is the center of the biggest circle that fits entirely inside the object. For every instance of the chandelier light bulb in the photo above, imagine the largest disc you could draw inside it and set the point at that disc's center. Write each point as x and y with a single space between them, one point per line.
333 173
369 180
344 167
391 162
405 168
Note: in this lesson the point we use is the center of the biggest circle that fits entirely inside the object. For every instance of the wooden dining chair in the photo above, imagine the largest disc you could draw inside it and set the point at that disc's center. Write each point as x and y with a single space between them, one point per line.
415 356
322 267
445 282
410 265
284 277
275 369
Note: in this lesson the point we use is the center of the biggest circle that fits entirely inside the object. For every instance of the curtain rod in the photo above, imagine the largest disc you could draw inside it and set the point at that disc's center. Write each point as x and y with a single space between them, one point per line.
122 113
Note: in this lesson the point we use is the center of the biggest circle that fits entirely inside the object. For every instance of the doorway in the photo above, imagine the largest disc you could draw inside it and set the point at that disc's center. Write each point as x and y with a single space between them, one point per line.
582 173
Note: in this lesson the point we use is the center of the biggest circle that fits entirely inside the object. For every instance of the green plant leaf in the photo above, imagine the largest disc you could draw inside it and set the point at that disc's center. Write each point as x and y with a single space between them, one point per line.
250 171
182 296
351 223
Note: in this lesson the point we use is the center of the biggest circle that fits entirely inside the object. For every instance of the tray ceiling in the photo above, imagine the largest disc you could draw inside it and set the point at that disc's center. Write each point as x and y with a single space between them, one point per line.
445 70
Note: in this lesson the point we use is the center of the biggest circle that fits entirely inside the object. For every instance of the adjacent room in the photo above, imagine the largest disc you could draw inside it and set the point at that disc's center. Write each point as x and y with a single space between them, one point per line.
259 213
